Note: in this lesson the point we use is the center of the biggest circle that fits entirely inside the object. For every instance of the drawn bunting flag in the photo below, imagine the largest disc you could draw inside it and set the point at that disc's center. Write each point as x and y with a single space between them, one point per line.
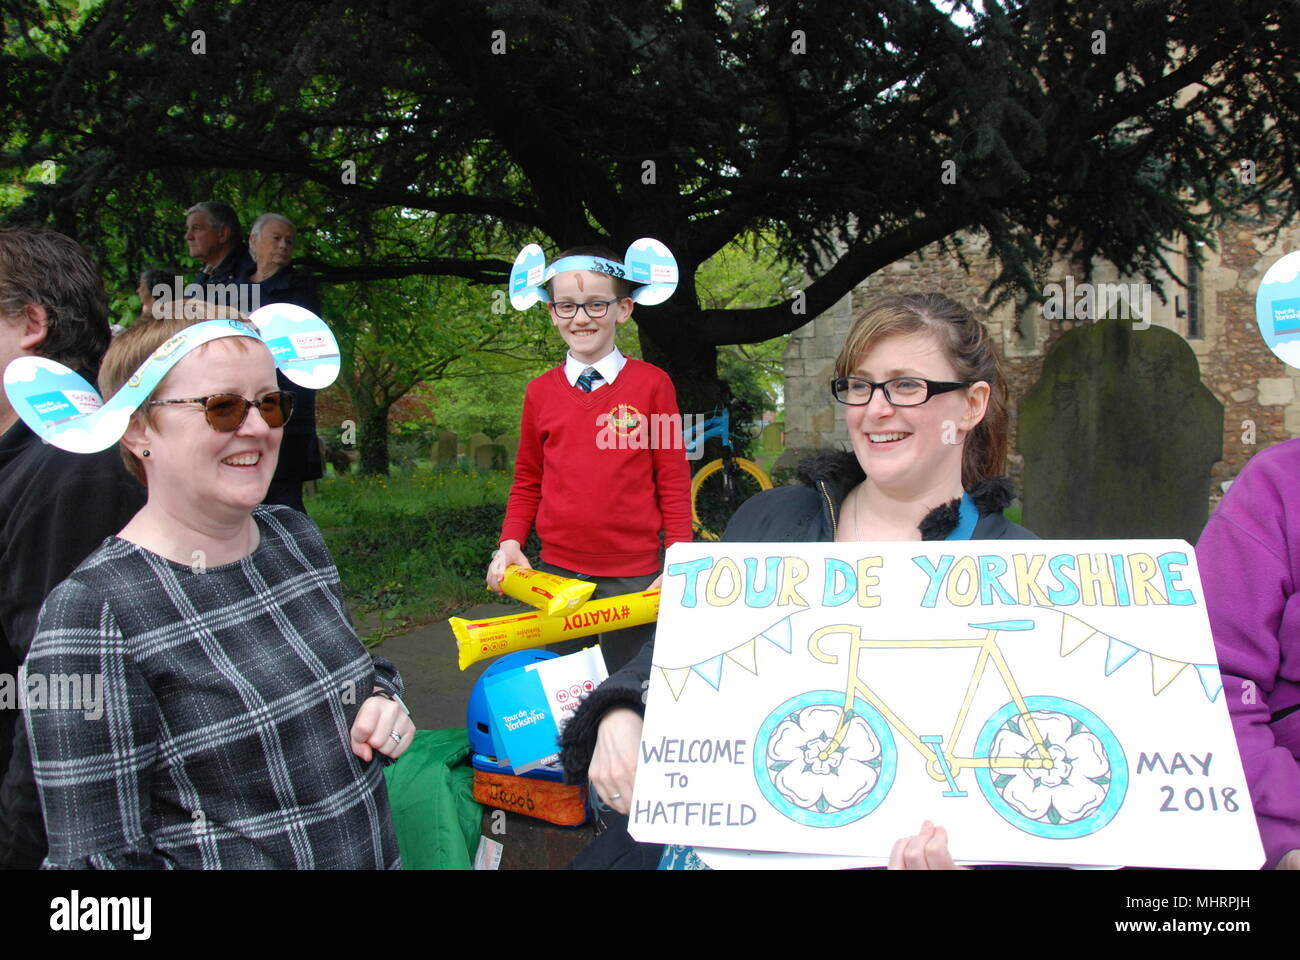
1075 633
744 655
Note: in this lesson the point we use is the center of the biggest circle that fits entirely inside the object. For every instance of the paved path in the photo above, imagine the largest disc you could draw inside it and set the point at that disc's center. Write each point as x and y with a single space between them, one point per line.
436 690
437 693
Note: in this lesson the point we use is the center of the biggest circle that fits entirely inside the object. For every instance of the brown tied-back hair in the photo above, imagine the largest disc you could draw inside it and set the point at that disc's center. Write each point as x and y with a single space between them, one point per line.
969 348
53 271
136 343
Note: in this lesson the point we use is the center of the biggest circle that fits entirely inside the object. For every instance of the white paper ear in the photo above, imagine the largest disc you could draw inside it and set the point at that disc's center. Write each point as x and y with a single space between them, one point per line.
62 408
651 263
1277 309
59 405
302 345
526 278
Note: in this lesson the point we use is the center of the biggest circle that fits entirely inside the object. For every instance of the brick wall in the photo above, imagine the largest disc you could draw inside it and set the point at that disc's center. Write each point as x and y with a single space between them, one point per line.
1254 386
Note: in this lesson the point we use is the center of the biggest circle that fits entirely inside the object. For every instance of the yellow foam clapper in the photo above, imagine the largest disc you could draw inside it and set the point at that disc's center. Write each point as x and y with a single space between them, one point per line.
552 594
479 639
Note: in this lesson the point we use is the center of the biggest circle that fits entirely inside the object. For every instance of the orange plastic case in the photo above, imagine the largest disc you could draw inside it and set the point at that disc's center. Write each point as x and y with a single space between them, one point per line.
562 804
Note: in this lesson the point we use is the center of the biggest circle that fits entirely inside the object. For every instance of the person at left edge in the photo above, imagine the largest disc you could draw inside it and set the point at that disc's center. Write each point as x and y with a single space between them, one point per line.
244 722
1249 559
271 242
55 507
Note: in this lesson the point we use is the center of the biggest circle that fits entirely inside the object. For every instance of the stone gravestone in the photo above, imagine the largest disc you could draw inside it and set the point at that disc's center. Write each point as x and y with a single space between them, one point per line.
511 445
446 448
770 439
1119 436
490 456
475 441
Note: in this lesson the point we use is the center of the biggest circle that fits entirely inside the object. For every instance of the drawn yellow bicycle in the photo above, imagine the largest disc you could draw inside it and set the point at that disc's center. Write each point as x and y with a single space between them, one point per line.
1047 765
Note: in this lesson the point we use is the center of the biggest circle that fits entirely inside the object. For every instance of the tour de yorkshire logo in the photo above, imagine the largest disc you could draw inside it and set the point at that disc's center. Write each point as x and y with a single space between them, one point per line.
625 419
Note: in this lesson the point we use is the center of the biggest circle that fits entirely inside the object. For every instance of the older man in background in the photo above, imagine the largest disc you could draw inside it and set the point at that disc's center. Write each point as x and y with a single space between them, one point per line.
55 507
271 243
213 235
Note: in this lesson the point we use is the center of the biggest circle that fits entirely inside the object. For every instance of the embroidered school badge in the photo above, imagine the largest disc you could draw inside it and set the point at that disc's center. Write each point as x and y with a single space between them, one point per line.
625 419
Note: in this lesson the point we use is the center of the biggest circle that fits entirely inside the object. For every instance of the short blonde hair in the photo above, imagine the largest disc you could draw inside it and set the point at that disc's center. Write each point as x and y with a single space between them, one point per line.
129 349
622 289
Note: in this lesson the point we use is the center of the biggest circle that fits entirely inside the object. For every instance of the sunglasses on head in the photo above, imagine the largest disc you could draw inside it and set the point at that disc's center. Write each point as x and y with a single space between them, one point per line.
226 412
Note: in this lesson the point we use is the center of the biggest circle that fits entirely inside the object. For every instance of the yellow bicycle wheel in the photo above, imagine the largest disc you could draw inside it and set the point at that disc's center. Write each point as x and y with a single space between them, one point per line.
716 493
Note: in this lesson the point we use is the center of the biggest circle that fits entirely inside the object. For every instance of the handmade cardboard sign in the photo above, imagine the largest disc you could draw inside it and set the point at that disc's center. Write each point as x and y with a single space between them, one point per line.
1045 701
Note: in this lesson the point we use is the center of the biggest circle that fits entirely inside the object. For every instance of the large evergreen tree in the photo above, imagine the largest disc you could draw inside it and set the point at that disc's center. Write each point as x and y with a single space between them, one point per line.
854 134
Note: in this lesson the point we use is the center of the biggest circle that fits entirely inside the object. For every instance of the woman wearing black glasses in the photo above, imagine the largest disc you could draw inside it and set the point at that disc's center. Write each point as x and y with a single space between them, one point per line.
228 716
927 423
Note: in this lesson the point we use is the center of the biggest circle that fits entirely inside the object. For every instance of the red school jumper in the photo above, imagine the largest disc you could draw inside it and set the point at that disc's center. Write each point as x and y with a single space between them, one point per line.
587 476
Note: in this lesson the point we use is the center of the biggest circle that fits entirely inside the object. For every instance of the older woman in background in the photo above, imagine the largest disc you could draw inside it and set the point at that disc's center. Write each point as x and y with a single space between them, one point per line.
242 718
271 242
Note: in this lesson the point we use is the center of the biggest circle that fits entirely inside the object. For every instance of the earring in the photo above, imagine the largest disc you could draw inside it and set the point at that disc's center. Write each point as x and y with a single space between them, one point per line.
144 452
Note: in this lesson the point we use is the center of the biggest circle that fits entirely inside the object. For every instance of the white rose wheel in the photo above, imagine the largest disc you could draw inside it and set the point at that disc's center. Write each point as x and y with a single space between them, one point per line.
1082 790
804 779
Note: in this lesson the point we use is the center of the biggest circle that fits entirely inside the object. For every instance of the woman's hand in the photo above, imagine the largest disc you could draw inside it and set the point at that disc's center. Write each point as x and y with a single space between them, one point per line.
1291 861
509 554
382 725
928 850
612 773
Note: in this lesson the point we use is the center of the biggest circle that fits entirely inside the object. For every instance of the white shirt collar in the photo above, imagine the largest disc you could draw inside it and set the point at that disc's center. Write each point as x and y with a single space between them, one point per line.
608 367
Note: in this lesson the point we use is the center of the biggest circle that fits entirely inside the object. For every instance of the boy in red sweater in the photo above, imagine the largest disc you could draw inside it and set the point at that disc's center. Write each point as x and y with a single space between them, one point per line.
592 471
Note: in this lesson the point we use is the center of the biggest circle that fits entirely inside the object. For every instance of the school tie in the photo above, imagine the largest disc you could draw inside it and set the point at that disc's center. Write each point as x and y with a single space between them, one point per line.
587 378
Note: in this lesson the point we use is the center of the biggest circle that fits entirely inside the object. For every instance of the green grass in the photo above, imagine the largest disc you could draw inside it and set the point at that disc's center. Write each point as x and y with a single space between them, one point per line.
411 547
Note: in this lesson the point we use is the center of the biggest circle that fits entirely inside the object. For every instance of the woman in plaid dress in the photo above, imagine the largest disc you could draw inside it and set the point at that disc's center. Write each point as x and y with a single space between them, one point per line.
228 715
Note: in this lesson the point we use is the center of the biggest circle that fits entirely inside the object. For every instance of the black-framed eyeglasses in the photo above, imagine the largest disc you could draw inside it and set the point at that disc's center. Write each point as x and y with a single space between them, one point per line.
567 309
226 412
899 392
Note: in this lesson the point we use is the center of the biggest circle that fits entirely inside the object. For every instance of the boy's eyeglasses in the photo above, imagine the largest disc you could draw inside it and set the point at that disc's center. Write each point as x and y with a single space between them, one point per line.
899 392
567 309
226 412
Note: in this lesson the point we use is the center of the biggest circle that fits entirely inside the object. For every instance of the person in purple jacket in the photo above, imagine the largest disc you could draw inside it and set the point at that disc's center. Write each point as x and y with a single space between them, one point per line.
1249 556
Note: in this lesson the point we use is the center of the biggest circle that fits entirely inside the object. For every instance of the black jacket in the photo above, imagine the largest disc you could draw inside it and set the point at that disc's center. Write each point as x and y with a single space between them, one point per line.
300 457
236 267
806 513
55 509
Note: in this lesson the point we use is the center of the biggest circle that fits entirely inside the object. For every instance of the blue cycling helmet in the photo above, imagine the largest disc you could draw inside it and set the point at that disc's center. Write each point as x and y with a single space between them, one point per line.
478 721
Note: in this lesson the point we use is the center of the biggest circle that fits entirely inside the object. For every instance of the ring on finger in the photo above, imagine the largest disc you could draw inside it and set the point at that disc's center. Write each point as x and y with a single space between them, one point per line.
397 737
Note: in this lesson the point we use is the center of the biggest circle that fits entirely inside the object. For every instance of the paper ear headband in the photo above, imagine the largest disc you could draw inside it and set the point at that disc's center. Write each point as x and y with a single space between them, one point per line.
63 409
1277 309
648 263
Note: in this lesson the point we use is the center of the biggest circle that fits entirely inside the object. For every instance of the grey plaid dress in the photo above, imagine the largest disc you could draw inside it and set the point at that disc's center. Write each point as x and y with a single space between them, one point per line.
228 699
